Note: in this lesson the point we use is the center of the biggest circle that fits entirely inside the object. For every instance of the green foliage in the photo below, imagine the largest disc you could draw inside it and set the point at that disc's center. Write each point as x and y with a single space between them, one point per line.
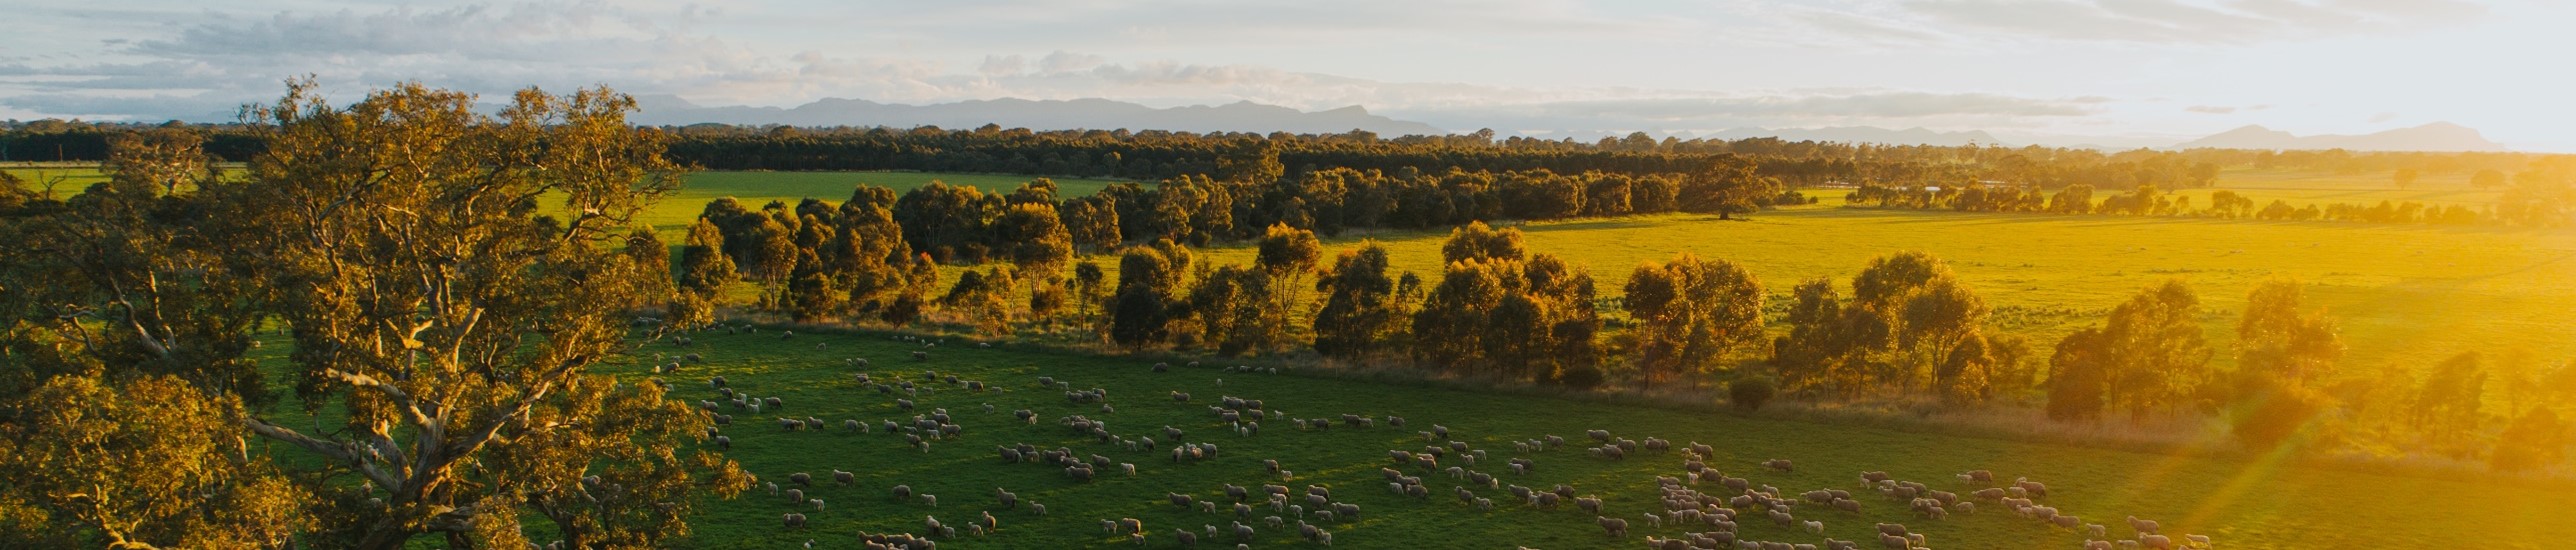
1475 241
1361 314
1033 238
1691 313
1140 310
2079 376
526 280
1286 251
2160 357
151 461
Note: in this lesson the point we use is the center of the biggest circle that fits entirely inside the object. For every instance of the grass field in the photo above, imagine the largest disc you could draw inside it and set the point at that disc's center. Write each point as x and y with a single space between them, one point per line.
2243 504
64 178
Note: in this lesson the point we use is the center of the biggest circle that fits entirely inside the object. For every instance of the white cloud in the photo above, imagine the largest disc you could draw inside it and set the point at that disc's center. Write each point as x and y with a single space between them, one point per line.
2192 21
2030 65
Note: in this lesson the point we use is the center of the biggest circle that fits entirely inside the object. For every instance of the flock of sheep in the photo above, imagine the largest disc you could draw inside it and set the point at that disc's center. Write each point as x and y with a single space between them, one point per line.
1700 503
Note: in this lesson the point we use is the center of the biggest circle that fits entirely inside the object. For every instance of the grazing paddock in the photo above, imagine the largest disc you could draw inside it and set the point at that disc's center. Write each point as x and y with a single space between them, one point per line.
2238 503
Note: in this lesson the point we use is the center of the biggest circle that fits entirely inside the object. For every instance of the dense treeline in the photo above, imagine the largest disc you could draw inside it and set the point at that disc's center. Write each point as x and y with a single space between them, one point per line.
1153 155
957 224
2542 196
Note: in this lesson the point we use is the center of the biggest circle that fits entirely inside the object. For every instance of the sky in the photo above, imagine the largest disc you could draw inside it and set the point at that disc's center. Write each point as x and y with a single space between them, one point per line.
2104 72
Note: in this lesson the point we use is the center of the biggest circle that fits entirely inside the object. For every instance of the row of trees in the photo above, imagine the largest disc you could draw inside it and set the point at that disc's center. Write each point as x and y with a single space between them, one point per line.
2544 197
443 325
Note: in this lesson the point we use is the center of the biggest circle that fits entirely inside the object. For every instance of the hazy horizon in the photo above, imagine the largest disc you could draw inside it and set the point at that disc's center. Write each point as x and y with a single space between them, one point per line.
2119 73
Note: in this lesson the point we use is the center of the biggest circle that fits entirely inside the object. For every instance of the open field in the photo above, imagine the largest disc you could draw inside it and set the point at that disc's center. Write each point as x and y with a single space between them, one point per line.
66 178
2243 504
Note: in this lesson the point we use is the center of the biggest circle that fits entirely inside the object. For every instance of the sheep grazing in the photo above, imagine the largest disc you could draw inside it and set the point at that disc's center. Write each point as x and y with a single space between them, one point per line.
818 504
918 355
1036 508
1611 526
2144 526
2160 542
2032 488
1178 499
1781 464
902 493
801 478
844 478
1813 526
795 521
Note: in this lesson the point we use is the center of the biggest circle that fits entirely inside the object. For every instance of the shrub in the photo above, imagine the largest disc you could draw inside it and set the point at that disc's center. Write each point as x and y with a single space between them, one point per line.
1750 393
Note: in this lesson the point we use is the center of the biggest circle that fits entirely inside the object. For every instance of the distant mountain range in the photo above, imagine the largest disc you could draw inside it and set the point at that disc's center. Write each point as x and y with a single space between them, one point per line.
1246 116
1100 114
2438 136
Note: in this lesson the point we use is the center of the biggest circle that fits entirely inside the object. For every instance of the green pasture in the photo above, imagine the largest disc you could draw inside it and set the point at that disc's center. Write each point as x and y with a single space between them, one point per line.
2241 502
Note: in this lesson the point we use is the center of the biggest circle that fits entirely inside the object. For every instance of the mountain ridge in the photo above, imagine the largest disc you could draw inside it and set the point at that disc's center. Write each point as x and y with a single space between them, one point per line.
1039 114
2431 137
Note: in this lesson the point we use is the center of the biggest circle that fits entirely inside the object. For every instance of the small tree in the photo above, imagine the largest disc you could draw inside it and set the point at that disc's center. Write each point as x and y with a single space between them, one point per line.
1140 310
2535 440
2078 376
2486 179
2449 404
1749 394
1360 313
1476 241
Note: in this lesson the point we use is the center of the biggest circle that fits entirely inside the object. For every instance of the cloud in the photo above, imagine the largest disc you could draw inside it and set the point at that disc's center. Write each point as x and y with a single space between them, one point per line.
2210 109
1892 105
206 64
2382 117
2191 22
